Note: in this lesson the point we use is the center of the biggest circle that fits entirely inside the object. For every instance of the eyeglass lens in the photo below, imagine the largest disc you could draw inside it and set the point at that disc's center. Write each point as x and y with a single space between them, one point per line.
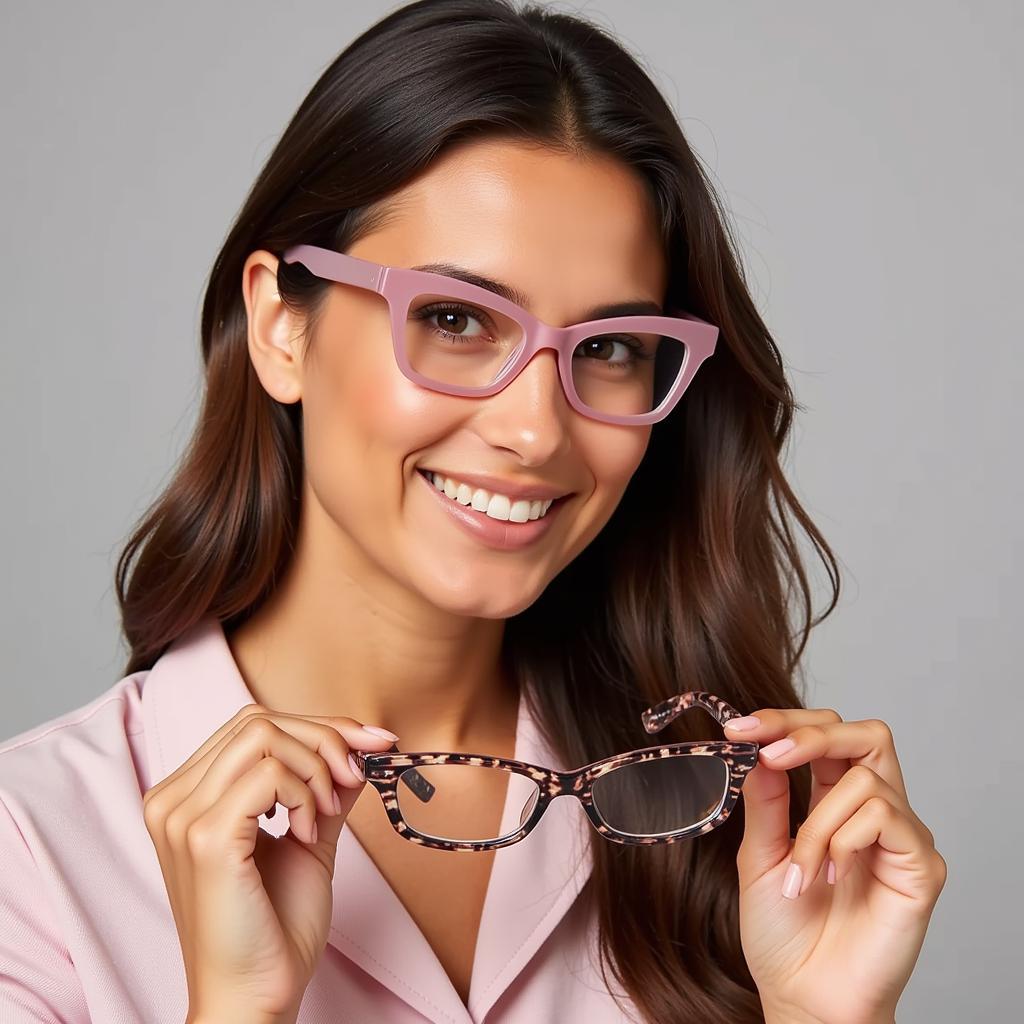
452 342
476 803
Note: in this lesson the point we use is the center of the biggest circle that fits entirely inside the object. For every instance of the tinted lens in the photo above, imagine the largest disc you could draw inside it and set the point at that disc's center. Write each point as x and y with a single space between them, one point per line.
469 345
662 795
464 802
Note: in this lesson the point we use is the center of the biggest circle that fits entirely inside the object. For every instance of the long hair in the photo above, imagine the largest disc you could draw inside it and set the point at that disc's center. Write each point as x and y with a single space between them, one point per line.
695 580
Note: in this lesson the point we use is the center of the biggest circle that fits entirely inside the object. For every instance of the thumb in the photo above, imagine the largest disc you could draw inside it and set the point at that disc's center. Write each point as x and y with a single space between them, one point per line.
766 840
328 827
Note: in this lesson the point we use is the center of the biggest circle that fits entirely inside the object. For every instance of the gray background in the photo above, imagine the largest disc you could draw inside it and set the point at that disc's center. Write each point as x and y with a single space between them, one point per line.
869 155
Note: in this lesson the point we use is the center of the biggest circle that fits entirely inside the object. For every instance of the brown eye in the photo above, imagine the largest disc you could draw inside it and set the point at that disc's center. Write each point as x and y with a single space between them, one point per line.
602 348
454 322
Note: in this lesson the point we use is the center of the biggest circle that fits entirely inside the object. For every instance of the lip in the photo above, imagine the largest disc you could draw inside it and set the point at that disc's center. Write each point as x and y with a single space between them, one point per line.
500 534
495 484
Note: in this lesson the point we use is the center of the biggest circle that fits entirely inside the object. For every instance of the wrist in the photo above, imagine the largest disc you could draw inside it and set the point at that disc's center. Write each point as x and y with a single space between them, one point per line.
774 1014
785 1015
239 1017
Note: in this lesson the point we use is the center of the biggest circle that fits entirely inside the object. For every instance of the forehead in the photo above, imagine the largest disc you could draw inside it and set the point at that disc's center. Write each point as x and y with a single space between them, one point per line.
555 225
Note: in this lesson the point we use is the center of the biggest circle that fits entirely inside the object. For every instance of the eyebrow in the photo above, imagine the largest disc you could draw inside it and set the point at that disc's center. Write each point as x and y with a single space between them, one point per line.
629 307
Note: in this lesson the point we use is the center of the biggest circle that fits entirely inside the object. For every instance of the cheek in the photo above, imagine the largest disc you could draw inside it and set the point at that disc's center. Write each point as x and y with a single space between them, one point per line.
613 455
395 415
362 419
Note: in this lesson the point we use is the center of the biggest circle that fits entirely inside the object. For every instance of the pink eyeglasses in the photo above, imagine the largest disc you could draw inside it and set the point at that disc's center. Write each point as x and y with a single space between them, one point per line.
623 369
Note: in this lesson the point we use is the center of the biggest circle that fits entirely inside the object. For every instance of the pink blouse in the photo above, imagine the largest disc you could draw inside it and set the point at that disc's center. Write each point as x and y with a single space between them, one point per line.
86 930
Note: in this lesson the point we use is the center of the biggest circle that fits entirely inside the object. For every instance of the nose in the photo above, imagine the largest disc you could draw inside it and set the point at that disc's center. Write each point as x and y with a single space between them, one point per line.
531 414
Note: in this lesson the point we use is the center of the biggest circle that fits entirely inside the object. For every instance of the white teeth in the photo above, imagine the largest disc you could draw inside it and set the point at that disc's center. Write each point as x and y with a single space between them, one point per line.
519 512
497 506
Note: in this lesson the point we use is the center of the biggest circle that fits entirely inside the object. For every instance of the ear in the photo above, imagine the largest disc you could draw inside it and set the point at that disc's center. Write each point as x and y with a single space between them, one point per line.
274 333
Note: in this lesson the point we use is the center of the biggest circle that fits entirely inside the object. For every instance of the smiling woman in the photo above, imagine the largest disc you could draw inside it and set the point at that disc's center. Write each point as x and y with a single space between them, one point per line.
571 233
456 472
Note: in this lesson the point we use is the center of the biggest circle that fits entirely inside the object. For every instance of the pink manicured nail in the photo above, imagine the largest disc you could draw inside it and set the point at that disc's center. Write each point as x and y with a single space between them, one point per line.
383 733
740 724
830 875
791 886
773 750
355 769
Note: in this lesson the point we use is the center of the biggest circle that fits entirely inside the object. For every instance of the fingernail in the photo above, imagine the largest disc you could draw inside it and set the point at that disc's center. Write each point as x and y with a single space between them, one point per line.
313 831
337 801
739 724
791 886
355 769
383 733
830 874
773 750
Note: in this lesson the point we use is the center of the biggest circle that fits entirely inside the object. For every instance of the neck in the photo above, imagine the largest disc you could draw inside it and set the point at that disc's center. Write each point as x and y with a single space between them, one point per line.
356 645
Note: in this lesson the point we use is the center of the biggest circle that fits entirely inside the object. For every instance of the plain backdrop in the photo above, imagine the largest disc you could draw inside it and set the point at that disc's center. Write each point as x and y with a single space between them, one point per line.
869 155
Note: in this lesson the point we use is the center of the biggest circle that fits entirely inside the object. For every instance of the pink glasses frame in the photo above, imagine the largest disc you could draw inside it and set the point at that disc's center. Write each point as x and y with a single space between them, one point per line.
400 286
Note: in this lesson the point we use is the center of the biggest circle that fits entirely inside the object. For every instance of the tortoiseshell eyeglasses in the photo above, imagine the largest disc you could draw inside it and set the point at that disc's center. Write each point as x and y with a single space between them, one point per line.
458 801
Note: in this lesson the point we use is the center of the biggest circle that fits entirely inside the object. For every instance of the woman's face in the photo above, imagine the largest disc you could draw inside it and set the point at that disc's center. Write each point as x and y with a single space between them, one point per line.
570 234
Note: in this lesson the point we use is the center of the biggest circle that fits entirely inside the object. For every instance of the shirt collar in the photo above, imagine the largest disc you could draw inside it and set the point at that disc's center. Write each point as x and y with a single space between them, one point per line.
196 686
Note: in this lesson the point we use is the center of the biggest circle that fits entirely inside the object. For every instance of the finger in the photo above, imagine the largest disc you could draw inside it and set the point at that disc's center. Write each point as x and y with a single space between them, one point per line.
772 724
828 746
313 730
261 737
216 740
907 860
814 837
766 840
225 833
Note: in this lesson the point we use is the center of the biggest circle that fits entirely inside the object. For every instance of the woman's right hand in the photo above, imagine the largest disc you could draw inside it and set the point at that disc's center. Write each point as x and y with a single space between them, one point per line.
253 911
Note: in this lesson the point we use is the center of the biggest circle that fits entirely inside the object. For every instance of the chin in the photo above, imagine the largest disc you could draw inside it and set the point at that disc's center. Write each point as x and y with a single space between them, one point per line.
485 600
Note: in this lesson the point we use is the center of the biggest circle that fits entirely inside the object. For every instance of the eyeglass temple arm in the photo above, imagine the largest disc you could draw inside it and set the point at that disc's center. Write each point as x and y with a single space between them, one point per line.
326 264
656 717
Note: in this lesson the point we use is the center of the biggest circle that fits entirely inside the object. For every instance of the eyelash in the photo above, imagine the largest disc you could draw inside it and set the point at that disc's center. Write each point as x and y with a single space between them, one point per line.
429 311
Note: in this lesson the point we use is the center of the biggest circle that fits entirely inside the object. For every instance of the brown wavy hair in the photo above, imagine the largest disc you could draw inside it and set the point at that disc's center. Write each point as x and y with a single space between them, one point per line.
695 579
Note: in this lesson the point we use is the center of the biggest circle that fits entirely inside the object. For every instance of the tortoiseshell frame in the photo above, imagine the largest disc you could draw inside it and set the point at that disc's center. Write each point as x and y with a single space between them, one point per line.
383 772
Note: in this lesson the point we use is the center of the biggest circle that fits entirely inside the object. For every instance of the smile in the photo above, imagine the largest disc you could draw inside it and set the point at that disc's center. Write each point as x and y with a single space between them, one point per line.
492 504
494 526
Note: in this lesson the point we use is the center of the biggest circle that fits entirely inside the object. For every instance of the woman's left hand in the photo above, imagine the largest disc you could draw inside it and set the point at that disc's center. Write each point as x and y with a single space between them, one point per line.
842 953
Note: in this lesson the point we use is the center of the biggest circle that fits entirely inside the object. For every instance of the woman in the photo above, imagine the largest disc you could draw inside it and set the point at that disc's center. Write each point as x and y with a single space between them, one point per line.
356 535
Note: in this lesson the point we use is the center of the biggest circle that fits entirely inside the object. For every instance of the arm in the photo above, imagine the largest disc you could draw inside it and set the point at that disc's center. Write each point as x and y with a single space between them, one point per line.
38 981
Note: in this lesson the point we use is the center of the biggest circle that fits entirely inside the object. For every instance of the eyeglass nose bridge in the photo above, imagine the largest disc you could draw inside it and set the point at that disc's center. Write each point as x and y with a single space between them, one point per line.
550 788
538 337
576 784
